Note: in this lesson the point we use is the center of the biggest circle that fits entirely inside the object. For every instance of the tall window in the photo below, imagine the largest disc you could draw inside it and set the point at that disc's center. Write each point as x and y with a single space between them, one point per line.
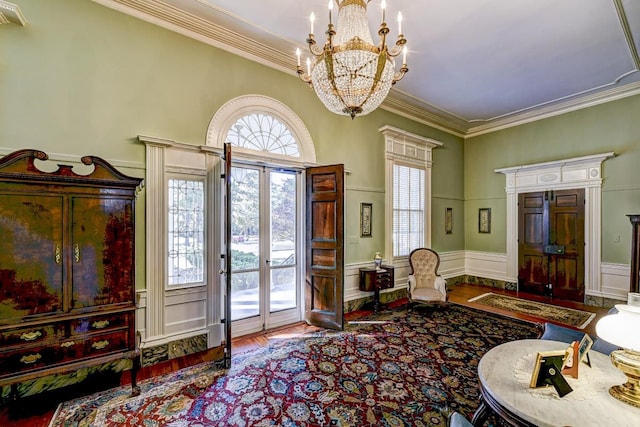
185 221
408 191
408 209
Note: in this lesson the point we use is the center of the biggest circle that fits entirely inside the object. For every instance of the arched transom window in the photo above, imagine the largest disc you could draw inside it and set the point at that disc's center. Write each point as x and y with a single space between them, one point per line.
263 132
262 128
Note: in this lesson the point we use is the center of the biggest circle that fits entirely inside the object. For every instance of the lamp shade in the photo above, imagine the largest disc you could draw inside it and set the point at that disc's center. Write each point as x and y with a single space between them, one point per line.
621 329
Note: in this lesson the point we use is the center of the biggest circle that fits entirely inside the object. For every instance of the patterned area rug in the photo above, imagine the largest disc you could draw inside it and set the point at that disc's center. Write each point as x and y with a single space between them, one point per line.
569 316
390 369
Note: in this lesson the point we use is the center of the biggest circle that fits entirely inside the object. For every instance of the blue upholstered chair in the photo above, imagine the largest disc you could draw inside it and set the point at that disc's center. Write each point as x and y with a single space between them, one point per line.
560 333
456 419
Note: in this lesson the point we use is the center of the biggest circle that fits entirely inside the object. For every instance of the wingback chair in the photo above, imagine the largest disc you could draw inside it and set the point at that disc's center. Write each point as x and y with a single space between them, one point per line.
425 284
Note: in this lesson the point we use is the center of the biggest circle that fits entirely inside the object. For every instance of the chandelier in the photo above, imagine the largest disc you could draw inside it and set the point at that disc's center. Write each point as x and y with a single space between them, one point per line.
350 74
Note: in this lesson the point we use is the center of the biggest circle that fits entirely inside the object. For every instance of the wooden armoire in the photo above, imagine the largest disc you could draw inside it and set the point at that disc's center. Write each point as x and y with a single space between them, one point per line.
67 251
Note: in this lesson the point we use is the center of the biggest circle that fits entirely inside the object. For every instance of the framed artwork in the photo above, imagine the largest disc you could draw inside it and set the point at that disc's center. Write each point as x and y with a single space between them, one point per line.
484 220
365 219
448 221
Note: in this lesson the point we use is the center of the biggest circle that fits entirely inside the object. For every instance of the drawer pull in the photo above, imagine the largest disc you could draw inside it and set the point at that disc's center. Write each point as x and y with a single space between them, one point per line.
99 345
58 254
32 358
30 336
76 252
67 344
100 324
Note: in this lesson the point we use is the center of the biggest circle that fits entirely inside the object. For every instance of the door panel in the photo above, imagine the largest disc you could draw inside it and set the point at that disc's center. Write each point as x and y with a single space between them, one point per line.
98 249
566 228
324 283
532 275
552 218
30 285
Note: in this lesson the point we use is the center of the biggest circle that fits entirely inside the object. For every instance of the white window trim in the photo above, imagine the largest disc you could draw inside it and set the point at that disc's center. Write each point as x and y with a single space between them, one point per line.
405 148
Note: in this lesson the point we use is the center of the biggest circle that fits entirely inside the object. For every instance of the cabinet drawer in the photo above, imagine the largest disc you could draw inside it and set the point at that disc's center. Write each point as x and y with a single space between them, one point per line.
106 343
100 323
27 359
33 334
385 281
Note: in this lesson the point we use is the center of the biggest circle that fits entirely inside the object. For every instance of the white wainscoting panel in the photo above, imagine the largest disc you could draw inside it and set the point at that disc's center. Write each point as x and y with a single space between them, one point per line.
614 280
487 264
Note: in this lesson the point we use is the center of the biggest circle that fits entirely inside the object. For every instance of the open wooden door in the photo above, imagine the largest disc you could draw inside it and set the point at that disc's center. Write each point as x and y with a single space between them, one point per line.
324 277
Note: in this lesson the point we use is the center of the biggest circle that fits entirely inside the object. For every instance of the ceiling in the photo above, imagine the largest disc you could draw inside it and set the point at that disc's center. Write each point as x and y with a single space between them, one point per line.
475 66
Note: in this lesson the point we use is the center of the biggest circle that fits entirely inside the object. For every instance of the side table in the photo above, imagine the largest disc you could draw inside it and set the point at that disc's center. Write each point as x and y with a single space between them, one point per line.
375 279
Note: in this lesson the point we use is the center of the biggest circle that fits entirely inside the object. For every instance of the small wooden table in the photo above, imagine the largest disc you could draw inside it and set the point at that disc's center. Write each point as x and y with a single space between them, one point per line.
374 279
517 406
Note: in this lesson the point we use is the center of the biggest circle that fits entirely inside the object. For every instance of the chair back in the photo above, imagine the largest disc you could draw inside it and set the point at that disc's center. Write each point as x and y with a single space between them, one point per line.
424 264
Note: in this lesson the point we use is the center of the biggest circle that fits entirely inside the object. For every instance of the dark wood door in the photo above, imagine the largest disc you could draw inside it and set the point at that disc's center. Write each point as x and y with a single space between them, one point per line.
533 231
566 229
551 243
324 277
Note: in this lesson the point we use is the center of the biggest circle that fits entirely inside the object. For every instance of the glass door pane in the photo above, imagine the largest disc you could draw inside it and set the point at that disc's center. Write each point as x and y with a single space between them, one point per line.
245 243
283 256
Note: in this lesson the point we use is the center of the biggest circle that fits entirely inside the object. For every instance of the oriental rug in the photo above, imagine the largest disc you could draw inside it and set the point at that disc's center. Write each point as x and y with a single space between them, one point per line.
394 368
569 316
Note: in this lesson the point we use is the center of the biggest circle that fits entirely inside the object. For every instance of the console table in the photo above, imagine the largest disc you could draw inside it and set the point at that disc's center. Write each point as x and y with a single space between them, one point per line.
375 279
517 406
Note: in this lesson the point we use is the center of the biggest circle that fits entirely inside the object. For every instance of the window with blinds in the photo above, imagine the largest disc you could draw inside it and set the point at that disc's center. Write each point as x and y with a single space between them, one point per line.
408 209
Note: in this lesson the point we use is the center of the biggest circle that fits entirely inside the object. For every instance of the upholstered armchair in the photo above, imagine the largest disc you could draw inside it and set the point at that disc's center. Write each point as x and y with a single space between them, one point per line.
425 284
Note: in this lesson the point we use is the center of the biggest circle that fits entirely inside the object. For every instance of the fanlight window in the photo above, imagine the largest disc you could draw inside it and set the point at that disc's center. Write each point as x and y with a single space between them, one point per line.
262 132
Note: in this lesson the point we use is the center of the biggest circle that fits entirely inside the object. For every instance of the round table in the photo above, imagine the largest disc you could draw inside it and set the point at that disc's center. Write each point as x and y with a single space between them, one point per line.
512 401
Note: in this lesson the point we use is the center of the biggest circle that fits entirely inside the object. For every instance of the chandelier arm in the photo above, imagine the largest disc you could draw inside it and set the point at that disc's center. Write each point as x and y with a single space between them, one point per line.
400 74
397 48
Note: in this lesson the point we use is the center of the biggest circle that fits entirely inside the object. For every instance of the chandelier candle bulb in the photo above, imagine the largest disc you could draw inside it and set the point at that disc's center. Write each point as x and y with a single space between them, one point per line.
404 55
400 25
309 66
298 55
383 6
312 19
330 10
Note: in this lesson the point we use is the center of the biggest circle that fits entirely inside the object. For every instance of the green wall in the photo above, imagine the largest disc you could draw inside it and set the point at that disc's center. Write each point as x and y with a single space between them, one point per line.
81 78
612 127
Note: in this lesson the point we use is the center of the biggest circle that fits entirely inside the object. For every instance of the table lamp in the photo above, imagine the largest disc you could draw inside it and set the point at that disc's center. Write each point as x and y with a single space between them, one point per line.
623 330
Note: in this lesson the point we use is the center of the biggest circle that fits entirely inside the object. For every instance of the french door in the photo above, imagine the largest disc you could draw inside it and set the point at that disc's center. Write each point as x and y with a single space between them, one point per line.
265 280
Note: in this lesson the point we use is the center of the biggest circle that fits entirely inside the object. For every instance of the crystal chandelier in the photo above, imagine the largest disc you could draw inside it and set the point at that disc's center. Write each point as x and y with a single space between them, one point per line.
350 74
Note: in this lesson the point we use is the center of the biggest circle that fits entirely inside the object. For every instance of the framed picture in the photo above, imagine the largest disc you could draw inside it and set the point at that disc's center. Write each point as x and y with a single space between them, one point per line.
484 220
365 219
547 371
448 221
583 349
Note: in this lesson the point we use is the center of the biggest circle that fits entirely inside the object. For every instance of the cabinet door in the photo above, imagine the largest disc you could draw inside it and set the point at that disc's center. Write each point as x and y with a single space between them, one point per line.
31 256
102 240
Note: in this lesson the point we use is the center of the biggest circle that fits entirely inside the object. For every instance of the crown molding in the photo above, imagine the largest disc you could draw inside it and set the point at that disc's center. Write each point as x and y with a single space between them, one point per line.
11 14
557 109
190 25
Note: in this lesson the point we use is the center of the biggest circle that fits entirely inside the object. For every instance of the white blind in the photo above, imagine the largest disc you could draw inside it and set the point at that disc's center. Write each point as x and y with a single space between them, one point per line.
408 209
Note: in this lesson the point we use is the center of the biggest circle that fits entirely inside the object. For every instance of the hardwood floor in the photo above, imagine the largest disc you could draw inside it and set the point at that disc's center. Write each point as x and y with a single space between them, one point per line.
38 411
